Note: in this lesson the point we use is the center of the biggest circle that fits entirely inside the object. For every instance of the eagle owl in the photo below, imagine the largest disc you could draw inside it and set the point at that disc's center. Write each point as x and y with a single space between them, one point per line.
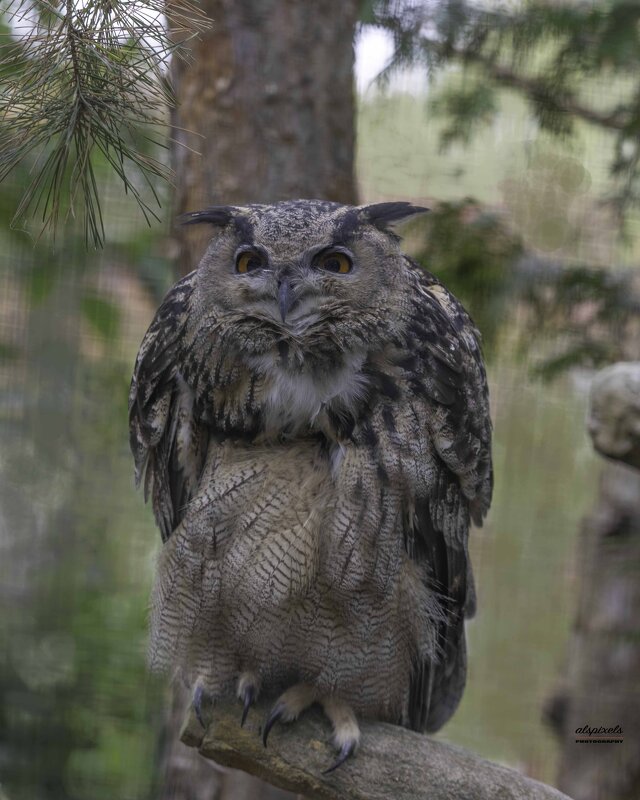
309 415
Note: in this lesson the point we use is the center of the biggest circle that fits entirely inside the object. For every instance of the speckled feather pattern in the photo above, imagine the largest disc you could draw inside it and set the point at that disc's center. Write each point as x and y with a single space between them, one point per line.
314 478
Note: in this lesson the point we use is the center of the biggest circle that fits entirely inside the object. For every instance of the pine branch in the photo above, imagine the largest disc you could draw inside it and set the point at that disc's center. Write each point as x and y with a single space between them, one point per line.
84 86
544 52
535 88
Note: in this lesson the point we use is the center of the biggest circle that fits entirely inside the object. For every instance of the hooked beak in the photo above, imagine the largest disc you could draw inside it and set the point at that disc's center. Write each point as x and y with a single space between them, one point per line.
285 297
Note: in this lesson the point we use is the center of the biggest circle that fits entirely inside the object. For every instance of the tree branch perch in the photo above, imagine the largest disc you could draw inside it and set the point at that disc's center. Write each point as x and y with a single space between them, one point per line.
391 763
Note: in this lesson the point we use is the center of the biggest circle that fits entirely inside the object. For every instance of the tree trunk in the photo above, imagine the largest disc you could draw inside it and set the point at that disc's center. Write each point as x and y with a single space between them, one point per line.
265 110
600 686
265 113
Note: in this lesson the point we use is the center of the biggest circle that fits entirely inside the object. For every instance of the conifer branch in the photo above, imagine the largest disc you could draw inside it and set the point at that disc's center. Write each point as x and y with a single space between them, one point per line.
85 84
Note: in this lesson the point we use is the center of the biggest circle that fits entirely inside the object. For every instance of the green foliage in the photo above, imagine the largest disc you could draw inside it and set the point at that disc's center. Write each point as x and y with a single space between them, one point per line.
590 317
463 109
562 316
569 62
86 85
551 54
79 715
473 252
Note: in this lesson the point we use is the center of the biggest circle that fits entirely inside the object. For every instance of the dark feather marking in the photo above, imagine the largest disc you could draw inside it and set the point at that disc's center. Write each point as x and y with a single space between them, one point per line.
381 382
341 420
369 436
283 351
244 228
347 226
408 363
249 399
388 418
418 327
387 386
440 392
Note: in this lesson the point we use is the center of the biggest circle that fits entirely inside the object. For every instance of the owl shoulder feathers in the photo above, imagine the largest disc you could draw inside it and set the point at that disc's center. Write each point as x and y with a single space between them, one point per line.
433 436
168 440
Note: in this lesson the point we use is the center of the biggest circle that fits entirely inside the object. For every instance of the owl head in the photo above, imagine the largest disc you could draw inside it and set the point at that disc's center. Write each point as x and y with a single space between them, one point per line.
293 262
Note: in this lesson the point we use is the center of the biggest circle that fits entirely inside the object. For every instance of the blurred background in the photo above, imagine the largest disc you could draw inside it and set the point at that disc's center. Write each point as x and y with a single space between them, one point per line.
517 123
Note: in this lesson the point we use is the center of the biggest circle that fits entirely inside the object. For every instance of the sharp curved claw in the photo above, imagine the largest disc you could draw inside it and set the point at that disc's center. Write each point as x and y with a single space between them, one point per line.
248 697
199 696
274 715
348 749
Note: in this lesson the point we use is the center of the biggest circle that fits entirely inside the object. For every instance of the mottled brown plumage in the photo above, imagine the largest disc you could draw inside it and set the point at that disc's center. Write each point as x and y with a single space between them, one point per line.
315 436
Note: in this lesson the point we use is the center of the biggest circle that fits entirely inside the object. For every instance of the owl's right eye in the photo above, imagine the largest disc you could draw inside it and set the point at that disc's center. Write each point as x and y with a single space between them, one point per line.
248 261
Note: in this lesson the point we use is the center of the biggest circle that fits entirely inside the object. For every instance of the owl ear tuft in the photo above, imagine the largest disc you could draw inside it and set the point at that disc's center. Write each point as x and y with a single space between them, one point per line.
383 214
214 215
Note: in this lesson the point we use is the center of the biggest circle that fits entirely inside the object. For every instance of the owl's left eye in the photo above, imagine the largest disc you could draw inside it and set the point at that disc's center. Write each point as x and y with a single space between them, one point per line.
337 262
248 261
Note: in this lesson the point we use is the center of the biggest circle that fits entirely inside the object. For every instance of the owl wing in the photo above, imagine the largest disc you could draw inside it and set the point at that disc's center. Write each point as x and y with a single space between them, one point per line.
168 441
446 383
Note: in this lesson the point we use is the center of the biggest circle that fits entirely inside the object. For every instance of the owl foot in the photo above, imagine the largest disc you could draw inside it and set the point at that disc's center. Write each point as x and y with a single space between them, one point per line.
346 732
289 706
247 691
202 702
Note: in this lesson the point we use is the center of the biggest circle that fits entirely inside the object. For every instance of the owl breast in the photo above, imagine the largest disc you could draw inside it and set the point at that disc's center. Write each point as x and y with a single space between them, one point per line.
294 398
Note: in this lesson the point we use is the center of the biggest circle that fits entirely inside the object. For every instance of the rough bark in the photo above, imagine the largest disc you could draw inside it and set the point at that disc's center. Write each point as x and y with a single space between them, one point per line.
392 762
600 686
265 109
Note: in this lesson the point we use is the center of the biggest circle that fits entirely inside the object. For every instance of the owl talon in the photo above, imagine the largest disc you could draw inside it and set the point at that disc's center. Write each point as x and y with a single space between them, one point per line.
247 691
289 706
200 699
248 698
276 713
347 750
346 731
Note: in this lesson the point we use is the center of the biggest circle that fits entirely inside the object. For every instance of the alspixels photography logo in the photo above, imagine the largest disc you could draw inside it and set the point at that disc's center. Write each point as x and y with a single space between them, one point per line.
589 735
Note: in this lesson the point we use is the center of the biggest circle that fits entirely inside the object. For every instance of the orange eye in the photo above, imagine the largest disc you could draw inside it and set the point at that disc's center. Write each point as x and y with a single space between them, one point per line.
340 263
248 261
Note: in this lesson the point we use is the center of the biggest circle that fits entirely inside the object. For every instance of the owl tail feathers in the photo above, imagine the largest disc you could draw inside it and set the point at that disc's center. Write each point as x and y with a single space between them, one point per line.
437 686
449 679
